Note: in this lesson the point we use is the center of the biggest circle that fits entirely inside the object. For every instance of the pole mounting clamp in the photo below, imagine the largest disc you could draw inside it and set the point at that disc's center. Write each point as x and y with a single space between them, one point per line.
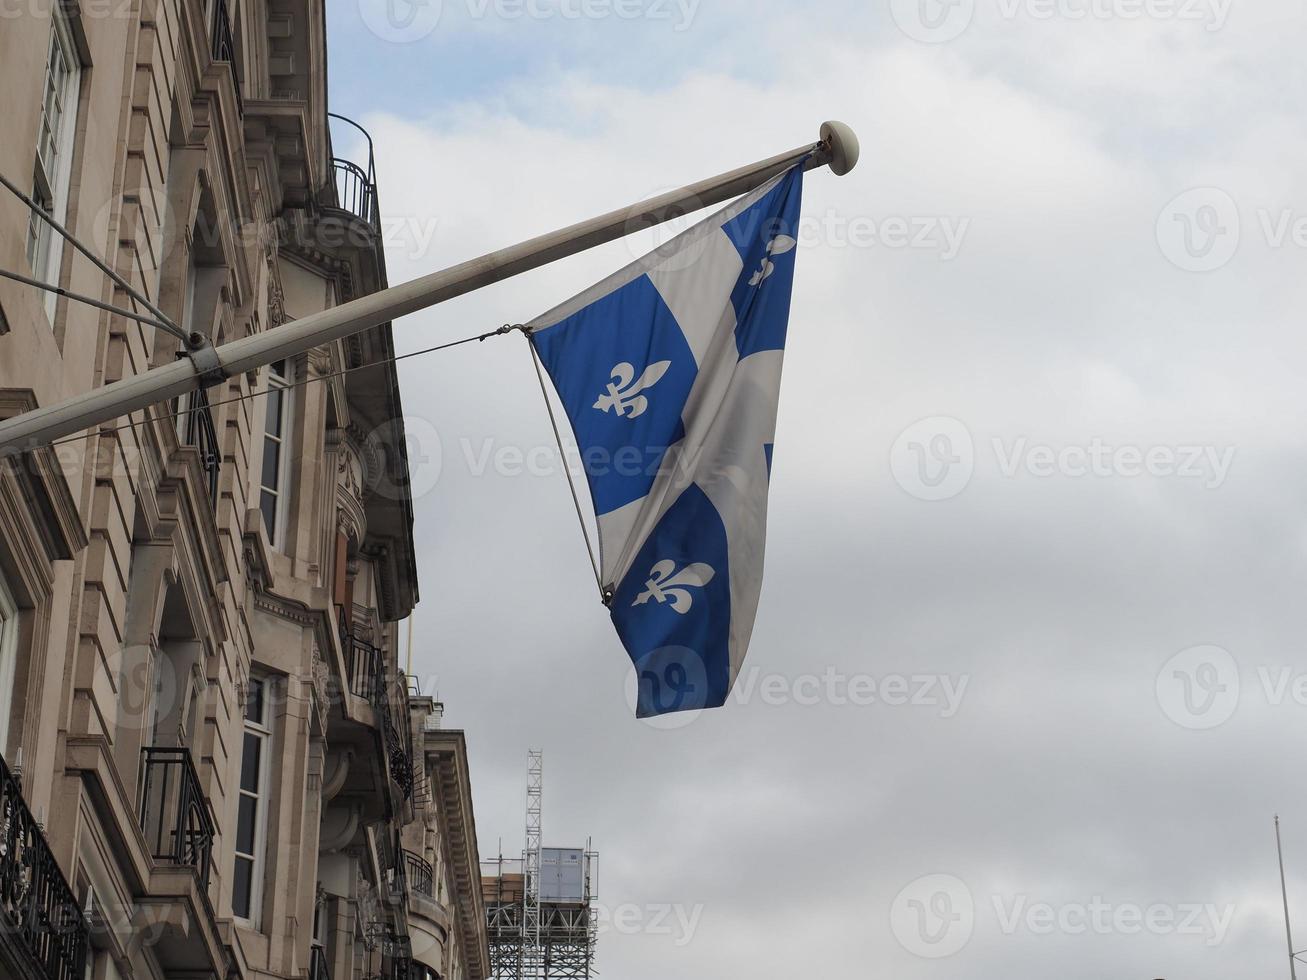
208 366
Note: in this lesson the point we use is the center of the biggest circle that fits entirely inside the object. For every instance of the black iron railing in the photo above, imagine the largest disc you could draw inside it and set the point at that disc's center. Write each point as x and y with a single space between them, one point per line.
356 186
197 429
318 964
37 908
366 670
401 768
420 875
174 813
398 873
223 44
367 679
398 953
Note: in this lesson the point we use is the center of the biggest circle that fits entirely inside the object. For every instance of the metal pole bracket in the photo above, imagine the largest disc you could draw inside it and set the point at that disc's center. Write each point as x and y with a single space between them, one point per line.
209 369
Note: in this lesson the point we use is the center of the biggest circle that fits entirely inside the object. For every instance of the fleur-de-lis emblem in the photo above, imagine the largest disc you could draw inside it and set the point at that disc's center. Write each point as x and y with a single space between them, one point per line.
666 584
623 394
777 246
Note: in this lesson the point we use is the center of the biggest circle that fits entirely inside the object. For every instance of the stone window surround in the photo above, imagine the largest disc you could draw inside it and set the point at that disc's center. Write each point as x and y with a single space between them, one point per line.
260 728
44 246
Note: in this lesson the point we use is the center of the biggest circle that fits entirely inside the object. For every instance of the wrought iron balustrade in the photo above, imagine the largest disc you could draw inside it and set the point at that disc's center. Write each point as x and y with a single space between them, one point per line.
401 765
174 812
196 429
355 187
38 909
421 877
398 955
318 964
367 679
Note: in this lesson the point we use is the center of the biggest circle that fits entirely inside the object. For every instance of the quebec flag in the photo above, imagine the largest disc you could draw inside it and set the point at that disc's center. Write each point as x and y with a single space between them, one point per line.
669 372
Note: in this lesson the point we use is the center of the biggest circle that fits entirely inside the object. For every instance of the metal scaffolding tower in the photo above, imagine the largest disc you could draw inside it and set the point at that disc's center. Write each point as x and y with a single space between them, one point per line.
532 954
540 909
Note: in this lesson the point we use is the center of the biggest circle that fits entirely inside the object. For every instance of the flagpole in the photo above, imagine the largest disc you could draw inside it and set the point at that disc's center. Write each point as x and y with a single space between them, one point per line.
837 148
1284 894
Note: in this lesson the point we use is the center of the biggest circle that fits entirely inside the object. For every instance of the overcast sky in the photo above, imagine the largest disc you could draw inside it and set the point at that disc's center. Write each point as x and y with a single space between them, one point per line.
1024 692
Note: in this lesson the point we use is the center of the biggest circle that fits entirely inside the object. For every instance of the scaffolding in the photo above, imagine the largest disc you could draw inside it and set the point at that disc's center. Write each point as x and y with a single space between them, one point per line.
540 910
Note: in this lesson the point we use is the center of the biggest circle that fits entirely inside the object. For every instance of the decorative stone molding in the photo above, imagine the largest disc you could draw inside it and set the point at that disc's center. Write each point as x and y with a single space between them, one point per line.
369 913
276 297
320 674
352 474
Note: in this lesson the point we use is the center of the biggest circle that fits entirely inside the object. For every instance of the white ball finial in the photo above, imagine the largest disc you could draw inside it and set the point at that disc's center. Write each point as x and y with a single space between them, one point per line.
843 143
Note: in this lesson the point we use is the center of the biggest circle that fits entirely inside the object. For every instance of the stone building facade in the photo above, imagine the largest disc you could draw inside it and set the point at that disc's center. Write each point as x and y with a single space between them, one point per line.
213 766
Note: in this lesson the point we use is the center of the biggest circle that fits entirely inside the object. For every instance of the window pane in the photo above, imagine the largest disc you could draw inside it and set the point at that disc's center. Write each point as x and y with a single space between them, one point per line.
245 824
254 701
273 422
271 462
250 762
244 885
268 504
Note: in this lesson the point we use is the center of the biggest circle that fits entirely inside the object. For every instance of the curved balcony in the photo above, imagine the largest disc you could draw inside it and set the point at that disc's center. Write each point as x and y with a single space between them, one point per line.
367 679
355 186
421 877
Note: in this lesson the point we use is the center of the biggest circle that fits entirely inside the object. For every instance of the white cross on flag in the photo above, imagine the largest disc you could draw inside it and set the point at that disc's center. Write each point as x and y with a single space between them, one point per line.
669 372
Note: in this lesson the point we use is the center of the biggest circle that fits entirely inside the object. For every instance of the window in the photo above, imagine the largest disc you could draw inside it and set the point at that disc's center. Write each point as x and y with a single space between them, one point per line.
53 170
8 658
252 806
274 489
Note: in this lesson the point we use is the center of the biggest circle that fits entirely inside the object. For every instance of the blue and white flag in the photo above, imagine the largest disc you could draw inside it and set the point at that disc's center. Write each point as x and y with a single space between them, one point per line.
669 372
